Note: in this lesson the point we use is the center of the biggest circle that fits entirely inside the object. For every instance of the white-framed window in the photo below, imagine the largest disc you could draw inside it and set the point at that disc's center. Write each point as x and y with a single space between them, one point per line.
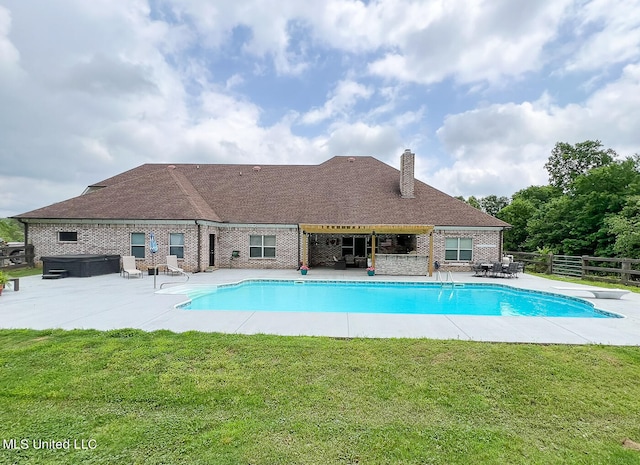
176 244
458 248
138 244
262 246
67 236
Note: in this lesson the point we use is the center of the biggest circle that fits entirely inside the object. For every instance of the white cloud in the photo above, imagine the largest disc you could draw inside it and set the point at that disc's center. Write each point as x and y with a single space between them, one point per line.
234 81
18 193
360 139
9 55
345 95
617 35
473 41
89 89
422 42
503 147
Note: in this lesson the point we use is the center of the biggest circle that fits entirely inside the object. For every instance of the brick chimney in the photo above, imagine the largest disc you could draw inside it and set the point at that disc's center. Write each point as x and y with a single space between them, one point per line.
407 164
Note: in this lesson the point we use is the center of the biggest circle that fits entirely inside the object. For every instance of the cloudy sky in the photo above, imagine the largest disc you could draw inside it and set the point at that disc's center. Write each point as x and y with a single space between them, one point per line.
480 90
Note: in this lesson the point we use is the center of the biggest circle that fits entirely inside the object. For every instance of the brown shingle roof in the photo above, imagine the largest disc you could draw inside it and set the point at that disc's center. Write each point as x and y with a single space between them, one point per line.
345 190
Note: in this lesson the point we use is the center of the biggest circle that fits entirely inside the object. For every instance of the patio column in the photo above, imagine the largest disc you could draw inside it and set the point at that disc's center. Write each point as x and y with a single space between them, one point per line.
431 253
305 248
373 249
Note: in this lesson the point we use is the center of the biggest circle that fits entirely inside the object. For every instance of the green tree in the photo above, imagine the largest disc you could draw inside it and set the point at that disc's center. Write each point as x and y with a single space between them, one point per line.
550 225
517 214
625 226
492 204
11 230
538 195
574 223
474 202
600 193
567 161
524 206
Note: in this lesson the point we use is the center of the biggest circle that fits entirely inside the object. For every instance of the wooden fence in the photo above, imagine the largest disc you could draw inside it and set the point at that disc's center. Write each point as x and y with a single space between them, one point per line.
16 257
616 270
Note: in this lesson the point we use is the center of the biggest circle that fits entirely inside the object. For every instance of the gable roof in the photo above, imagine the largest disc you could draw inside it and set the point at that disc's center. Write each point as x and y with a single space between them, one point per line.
342 190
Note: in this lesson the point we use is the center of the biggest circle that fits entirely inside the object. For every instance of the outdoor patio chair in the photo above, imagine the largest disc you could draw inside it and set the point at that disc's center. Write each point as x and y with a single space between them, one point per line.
511 270
478 269
339 264
496 271
172 265
129 267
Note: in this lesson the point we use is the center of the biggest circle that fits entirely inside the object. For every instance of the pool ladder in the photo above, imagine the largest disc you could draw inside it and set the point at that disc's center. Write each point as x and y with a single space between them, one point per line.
176 282
448 281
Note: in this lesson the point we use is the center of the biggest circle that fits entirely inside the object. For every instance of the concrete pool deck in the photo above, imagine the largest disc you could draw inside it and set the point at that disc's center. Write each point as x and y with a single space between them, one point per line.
112 302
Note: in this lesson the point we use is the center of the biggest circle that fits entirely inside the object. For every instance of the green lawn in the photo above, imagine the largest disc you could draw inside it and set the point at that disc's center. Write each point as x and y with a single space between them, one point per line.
22 272
195 398
587 282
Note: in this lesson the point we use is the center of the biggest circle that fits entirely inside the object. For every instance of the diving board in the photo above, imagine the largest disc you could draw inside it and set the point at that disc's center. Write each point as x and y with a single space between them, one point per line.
598 292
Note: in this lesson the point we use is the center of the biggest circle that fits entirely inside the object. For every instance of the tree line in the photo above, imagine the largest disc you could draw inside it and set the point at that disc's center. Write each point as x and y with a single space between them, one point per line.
591 205
11 230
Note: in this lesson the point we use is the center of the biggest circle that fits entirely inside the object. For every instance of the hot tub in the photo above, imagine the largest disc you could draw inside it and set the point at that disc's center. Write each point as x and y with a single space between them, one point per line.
82 266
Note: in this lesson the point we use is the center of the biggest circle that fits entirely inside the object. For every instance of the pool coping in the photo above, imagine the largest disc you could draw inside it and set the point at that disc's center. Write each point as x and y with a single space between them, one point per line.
112 302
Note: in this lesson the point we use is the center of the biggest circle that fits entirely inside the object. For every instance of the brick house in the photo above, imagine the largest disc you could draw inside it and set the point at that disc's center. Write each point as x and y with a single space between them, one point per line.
271 216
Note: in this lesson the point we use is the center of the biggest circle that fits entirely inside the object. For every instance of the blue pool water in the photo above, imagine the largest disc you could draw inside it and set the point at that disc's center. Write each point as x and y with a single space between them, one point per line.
392 297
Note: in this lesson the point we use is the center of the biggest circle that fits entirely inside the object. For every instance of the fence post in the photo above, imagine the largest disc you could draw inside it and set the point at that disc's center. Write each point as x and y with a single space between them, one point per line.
585 262
550 263
626 266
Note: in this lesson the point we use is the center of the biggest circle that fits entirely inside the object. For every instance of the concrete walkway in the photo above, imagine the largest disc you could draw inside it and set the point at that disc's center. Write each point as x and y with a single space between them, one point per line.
110 302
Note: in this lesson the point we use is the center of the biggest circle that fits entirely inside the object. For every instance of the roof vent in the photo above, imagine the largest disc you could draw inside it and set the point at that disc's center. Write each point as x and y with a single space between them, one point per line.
351 159
171 167
257 168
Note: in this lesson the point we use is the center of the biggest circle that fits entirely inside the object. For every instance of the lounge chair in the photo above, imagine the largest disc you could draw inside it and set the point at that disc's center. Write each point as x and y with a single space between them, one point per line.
172 265
129 267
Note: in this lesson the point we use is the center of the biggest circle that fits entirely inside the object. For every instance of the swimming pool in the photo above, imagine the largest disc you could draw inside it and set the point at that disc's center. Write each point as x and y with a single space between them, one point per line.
389 297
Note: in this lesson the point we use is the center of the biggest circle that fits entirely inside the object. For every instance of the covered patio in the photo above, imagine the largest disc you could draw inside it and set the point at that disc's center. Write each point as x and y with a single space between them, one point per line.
409 251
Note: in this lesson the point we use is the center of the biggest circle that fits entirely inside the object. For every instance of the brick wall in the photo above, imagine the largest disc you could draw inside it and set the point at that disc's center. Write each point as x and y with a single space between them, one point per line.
114 239
486 248
237 238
